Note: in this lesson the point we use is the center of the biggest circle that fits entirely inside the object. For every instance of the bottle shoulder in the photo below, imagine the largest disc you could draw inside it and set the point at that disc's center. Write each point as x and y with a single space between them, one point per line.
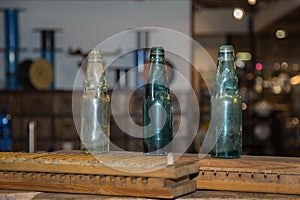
227 98
90 96
166 100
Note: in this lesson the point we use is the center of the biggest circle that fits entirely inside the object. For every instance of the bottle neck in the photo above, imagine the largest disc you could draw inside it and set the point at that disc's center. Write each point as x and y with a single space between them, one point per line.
95 82
226 64
226 81
157 58
157 71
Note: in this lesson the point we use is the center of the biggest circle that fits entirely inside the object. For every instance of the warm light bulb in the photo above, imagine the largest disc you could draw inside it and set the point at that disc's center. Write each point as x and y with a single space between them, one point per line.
280 34
295 80
252 2
244 106
244 56
295 67
284 65
238 13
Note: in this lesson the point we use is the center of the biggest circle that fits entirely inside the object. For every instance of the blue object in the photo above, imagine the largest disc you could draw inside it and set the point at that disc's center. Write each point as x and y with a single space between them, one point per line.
12 47
140 61
5 132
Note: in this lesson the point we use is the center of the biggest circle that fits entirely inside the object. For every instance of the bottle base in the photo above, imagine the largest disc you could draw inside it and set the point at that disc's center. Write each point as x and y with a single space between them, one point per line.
156 153
149 150
226 154
94 151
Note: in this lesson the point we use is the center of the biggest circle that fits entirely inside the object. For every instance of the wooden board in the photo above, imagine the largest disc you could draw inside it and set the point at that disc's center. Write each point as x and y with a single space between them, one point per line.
109 174
250 174
199 195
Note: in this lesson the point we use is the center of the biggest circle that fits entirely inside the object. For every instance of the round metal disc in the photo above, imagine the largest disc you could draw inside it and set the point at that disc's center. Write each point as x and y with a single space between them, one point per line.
41 74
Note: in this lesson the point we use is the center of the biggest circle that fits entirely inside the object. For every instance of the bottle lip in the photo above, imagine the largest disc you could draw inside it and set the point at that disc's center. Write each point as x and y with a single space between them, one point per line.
226 51
157 50
95 55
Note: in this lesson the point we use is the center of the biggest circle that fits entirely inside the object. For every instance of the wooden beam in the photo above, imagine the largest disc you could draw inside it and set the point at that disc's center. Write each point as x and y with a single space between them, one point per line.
272 12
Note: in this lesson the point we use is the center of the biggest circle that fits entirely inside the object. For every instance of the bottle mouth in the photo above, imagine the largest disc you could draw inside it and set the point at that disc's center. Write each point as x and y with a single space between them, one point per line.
157 51
226 51
95 55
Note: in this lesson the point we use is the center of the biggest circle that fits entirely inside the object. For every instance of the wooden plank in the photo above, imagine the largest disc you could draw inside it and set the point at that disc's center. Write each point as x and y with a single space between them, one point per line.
110 185
108 174
258 164
109 164
250 174
222 195
248 182
199 195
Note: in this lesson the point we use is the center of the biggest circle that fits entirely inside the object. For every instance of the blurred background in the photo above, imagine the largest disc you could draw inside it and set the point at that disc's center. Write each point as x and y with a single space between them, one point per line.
43 44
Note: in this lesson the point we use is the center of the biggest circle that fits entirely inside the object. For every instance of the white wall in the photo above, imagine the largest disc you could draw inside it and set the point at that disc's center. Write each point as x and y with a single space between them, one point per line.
86 23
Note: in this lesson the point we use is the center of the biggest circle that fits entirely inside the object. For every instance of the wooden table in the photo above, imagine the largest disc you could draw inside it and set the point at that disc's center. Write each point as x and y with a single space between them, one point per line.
249 177
198 195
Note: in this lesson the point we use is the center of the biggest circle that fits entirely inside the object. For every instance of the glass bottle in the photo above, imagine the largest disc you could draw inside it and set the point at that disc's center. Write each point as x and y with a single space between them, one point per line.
226 108
95 107
157 107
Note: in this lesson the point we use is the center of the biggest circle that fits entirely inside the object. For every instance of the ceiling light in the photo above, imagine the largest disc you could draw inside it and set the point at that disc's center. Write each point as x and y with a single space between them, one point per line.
238 13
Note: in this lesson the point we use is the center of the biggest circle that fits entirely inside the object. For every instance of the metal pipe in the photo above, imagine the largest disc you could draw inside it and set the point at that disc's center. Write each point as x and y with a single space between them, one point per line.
32 136
47 45
12 47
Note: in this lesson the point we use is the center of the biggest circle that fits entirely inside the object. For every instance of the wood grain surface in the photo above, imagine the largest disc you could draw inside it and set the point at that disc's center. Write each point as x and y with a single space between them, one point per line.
109 174
249 174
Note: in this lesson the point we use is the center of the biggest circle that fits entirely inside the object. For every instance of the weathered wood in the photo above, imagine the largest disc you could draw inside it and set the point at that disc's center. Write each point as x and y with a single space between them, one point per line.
250 174
199 195
229 195
109 164
258 164
109 174
69 173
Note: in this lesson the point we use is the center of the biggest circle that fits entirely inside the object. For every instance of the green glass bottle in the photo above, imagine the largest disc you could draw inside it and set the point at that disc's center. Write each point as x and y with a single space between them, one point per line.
226 108
95 107
157 107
